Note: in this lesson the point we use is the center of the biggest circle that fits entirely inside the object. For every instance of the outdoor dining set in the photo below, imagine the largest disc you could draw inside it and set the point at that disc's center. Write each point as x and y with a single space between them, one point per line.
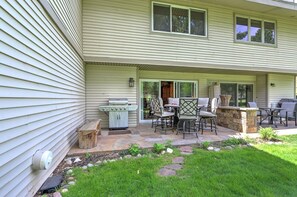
281 113
185 115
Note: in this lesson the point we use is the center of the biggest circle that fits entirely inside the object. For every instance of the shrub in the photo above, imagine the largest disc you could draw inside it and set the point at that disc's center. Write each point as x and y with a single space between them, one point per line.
88 155
267 133
205 144
234 141
134 149
168 144
158 148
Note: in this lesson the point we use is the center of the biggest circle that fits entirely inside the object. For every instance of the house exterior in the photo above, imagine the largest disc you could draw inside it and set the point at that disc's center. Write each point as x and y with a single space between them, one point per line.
60 60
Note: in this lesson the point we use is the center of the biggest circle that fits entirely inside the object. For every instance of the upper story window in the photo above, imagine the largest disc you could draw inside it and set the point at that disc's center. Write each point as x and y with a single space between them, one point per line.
177 19
255 30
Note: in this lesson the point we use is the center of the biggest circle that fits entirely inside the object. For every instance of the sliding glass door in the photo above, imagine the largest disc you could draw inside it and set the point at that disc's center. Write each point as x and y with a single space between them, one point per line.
164 89
241 93
149 90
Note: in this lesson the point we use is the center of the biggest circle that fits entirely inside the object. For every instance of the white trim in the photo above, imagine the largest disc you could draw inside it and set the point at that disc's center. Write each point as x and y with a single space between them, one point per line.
189 19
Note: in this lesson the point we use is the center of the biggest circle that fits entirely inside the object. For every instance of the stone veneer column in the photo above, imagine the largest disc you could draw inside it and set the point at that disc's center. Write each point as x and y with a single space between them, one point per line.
236 118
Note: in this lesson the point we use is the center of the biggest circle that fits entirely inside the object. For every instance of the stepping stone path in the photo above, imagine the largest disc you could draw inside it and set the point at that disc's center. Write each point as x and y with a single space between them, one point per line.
177 162
186 150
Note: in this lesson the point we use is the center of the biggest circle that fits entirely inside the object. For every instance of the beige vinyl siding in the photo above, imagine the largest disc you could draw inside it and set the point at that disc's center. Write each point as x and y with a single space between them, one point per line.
261 91
204 79
70 14
284 87
42 95
104 82
121 31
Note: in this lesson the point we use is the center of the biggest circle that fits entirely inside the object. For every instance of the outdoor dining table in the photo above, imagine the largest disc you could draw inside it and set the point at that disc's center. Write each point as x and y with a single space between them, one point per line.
270 113
176 107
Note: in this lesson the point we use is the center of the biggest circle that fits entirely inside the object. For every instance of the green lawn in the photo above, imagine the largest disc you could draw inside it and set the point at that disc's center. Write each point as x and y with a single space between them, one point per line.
264 170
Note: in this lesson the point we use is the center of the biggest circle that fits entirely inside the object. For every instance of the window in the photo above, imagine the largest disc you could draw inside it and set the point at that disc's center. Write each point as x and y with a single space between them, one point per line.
254 30
177 19
241 94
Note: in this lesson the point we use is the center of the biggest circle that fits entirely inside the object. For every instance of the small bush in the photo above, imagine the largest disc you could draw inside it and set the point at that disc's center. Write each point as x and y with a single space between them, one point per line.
168 144
205 144
158 148
234 141
134 149
88 155
267 133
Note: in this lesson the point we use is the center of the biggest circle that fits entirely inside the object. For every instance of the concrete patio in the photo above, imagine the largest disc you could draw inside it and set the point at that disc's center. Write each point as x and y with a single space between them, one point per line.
145 136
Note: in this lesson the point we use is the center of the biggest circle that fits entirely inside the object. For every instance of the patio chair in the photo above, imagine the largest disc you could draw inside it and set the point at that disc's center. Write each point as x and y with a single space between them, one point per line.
203 102
288 112
155 107
211 116
187 116
164 120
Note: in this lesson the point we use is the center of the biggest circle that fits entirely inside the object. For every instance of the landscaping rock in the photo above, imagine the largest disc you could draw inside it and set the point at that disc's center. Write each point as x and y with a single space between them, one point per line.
99 162
57 194
84 167
90 165
169 150
139 155
217 149
228 148
71 178
64 190
210 148
167 172
77 160
68 162
127 156
174 166
71 183
244 146
104 161
178 160
69 172
112 160
163 152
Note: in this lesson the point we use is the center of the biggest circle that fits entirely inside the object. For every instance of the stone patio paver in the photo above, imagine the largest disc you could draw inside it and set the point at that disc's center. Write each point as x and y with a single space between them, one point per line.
178 160
174 166
167 172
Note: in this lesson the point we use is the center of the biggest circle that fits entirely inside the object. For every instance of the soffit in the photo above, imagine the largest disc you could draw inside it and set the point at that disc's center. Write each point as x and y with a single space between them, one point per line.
263 6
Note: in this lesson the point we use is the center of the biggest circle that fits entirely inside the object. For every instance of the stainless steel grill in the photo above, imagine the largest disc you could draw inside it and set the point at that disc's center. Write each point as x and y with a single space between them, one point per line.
118 112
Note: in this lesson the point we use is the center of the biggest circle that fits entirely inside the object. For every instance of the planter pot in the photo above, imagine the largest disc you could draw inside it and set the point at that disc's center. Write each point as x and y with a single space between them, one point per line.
225 99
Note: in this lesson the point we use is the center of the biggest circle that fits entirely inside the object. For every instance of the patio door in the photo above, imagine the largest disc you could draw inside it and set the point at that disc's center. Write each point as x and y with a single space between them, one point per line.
149 89
241 93
164 89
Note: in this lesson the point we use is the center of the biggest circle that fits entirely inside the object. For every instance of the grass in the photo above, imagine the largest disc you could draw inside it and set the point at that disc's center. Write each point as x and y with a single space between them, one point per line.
264 170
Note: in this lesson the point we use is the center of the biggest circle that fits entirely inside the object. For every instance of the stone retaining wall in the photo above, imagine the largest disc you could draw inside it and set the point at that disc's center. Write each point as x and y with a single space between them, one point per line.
236 118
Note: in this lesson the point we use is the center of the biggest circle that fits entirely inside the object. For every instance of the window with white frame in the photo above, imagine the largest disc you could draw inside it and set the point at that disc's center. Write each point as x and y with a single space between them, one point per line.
255 30
178 19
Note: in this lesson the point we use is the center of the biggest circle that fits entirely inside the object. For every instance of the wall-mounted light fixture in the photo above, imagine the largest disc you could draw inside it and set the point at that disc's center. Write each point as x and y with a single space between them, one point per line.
131 82
272 84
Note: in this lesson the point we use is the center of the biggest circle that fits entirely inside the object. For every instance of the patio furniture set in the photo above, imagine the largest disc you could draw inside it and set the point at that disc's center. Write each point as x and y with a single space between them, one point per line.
282 112
185 115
